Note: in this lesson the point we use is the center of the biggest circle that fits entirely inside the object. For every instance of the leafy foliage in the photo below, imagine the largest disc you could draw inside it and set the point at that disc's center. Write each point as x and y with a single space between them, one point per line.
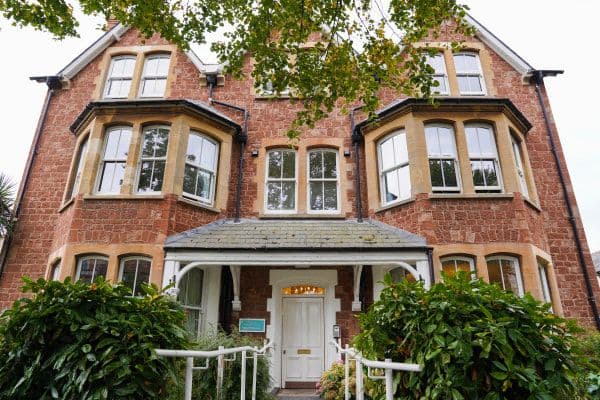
474 340
588 348
361 46
80 341
6 205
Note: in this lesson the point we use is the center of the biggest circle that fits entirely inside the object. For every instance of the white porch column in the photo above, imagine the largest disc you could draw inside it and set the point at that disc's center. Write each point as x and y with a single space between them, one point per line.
169 275
423 270
356 304
236 304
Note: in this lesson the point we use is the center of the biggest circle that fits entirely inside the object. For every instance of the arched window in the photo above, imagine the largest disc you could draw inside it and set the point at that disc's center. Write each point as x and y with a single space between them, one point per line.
469 74
281 181
484 157
505 271
154 77
454 264
394 173
55 271
90 267
120 74
443 160
200 174
190 296
134 272
323 178
153 159
114 160
439 75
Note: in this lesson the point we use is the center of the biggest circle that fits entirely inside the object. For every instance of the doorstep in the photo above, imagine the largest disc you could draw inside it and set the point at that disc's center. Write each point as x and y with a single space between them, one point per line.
297 394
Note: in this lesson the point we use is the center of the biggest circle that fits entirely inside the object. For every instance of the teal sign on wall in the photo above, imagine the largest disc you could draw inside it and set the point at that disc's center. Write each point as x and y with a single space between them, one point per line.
252 325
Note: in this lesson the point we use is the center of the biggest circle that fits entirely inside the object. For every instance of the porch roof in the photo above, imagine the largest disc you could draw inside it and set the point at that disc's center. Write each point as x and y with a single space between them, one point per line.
254 234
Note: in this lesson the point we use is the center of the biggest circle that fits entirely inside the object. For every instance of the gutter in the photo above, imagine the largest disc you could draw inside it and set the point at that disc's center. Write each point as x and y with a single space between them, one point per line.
54 84
537 79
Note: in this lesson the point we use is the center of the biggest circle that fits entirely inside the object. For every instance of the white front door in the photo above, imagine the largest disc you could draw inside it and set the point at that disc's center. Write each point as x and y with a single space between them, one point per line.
303 339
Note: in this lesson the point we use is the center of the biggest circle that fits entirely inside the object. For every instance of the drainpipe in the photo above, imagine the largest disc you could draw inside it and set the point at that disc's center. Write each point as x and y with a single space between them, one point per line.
242 138
538 79
356 139
54 84
430 262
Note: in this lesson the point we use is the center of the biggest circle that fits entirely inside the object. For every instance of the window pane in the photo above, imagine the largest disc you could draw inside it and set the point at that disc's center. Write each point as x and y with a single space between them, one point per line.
392 191
400 149
474 84
288 200
274 195
463 84
486 141
404 177
190 287
209 150
387 154
494 272
145 176
157 177
478 173
463 265
432 139
155 142
472 141
275 164
204 184
330 165
289 165
330 194
101 267
143 275
446 142
86 270
112 144
162 67
316 195
460 62
510 276
449 267
194 149
128 275
435 168
316 164
441 86
489 171
189 179
449 168
399 274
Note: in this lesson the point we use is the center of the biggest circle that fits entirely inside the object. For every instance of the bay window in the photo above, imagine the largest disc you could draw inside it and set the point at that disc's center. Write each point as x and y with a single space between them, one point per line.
134 272
544 284
505 271
323 181
91 267
483 157
516 147
79 162
281 181
153 159
453 265
114 160
200 168
443 160
394 172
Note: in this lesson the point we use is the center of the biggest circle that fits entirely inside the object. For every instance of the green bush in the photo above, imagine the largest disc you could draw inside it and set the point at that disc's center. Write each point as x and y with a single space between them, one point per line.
79 341
474 340
587 347
205 381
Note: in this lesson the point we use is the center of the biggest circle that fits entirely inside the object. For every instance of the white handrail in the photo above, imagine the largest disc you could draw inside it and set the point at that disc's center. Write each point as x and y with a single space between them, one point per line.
220 354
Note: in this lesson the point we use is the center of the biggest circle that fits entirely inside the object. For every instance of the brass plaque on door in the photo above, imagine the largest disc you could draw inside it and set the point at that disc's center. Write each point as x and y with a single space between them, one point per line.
303 351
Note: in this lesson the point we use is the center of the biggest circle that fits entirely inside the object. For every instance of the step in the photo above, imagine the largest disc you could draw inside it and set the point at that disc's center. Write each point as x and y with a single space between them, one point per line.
297 394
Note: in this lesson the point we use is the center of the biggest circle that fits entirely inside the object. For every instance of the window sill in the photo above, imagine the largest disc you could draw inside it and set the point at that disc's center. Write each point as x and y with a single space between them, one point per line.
124 197
66 204
441 196
195 203
399 203
301 216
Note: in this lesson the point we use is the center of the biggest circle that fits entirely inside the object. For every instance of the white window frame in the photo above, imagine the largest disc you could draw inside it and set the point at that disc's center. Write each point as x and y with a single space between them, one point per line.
444 157
210 200
443 74
80 155
110 78
105 160
145 76
323 180
519 165
55 270
544 282
516 265
470 73
81 259
470 260
137 266
202 308
267 180
382 172
143 159
485 157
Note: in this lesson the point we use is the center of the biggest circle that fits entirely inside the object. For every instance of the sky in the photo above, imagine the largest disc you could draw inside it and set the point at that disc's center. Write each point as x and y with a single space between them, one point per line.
549 34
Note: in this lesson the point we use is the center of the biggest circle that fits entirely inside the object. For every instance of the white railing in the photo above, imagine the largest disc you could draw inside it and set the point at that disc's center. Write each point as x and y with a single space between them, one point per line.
219 354
388 366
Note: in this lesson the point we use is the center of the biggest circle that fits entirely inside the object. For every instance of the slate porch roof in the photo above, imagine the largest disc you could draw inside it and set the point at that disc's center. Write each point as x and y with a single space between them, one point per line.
254 234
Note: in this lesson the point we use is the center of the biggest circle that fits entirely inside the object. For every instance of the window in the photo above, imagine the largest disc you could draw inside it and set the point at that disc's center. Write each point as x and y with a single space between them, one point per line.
91 267
120 74
323 181
55 271
134 272
468 73
281 181
80 160
516 146
200 168
394 174
439 75
190 296
399 274
114 159
547 296
443 161
483 157
154 77
505 271
452 265
153 159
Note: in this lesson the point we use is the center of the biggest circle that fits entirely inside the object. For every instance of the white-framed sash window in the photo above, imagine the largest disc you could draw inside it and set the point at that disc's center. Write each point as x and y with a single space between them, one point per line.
114 159
154 76
199 179
483 156
506 272
440 75
323 181
281 181
516 146
443 159
394 171
135 271
90 267
120 75
153 159
469 74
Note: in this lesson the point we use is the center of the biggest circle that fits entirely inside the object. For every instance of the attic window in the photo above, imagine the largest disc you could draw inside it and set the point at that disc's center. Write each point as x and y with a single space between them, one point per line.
119 77
154 77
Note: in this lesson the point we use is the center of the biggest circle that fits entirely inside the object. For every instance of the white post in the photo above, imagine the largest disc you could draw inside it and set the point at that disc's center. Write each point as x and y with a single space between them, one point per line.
220 368
346 374
360 394
389 377
243 385
254 375
189 365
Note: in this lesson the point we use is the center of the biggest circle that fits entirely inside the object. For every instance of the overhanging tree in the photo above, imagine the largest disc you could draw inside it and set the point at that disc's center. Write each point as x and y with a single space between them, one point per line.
362 45
6 205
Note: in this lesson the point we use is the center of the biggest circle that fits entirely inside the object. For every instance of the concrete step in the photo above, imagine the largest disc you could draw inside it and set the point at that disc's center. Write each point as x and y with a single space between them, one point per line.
297 394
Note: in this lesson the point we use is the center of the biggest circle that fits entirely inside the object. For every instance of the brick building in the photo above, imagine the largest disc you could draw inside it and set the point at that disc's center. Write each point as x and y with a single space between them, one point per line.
141 172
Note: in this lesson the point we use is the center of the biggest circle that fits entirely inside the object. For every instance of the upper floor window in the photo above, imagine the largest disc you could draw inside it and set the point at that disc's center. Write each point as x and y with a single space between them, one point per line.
80 160
443 160
505 271
394 173
453 265
516 146
469 74
154 76
439 75
120 75
91 267
484 157
114 160
281 181
153 159
323 180
200 168
134 272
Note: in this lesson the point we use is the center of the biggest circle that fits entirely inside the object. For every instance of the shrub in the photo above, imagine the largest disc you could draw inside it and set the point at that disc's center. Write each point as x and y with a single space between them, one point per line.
80 341
474 340
587 347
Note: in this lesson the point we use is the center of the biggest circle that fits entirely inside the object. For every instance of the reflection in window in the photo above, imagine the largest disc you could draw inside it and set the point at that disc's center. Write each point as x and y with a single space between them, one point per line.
323 180
302 290
484 157
453 265
120 73
439 75
134 272
468 73
153 159
399 274
154 77
200 168
190 296
80 160
91 267
516 146
443 161
505 271
394 174
281 180
114 160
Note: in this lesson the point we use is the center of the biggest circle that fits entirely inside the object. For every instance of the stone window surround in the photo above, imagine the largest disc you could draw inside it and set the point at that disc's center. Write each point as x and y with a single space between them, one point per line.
180 127
414 125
